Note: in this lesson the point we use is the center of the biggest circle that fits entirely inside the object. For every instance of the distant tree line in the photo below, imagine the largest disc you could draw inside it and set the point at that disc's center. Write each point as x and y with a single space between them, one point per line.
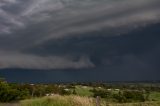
122 96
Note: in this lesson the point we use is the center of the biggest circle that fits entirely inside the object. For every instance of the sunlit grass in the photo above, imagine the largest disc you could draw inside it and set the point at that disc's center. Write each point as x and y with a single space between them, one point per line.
58 100
84 90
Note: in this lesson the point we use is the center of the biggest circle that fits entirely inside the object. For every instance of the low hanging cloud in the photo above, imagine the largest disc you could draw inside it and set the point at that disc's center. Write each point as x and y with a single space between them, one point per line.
26 61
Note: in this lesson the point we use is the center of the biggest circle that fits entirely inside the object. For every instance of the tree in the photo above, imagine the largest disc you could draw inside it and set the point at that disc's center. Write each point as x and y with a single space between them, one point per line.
74 92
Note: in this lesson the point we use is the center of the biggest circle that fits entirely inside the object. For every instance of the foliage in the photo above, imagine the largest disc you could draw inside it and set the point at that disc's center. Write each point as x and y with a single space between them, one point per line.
132 95
102 93
121 93
9 93
121 96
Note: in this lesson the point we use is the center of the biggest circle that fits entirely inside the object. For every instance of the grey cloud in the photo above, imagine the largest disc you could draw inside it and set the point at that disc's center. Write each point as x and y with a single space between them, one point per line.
8 20
110 15
28 23
28 61
69 17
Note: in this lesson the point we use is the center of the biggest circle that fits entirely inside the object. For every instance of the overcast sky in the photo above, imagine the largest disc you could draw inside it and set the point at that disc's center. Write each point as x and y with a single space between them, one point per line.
118 38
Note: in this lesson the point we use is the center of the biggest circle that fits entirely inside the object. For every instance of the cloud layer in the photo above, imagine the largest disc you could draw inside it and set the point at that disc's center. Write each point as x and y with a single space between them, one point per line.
73 16
29 25
18 60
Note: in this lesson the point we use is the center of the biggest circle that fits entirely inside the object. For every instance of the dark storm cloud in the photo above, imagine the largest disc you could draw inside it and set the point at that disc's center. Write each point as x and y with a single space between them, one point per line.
40 34
14 60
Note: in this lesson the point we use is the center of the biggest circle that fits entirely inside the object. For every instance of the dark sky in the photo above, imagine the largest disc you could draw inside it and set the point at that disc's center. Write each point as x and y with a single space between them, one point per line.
79 40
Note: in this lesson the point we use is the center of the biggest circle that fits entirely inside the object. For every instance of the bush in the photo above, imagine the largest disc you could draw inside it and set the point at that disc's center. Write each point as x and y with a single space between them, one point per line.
119 97
9 93
102 93
134 95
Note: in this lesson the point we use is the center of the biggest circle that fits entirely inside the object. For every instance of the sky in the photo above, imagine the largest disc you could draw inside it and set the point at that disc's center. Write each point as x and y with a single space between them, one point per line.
79 40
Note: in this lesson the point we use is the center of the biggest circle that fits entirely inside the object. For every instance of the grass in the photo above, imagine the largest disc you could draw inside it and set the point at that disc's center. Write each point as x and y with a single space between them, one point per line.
83 91
9 104
58 100
84 99
155 96
136 104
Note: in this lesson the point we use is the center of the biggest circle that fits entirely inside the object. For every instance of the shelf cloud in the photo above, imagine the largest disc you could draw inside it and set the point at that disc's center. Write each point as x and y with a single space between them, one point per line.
17 60
39 34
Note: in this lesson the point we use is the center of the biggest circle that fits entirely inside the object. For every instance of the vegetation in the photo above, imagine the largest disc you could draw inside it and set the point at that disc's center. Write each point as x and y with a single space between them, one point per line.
58 100
12 92
78 94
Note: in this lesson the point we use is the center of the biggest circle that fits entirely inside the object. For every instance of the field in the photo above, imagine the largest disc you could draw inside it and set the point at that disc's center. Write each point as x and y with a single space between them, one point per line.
85 98
83 90
123 94
78 101
58 100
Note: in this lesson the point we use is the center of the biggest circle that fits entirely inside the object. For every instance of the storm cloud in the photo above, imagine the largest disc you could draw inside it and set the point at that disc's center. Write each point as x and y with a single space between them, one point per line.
80 34
17 60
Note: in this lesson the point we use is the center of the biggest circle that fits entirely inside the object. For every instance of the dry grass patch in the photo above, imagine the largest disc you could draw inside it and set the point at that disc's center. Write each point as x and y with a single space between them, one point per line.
58 100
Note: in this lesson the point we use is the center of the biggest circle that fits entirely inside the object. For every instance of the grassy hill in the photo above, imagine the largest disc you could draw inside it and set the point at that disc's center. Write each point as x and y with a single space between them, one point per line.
71 100
58 100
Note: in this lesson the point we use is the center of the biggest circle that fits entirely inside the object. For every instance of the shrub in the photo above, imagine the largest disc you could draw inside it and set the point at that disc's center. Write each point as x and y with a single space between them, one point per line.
102 93
133 95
